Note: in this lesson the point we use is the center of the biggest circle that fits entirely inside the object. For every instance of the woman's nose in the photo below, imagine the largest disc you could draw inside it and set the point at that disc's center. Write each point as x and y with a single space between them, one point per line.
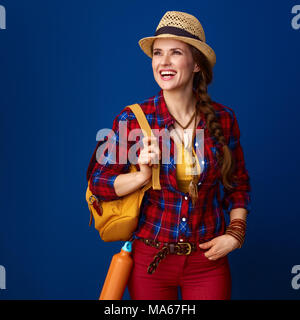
165 60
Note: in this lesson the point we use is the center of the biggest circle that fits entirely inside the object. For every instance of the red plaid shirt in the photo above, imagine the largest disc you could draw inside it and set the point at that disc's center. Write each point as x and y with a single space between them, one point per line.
168 215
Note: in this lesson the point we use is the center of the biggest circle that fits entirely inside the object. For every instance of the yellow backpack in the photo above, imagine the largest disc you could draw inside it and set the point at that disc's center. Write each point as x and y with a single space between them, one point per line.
116 220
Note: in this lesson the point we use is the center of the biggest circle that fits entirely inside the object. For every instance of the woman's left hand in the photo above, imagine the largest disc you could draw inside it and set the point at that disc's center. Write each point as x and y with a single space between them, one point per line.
219 246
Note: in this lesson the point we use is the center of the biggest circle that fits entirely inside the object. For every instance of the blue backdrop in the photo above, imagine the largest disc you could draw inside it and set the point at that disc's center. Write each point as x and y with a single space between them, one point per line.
67 68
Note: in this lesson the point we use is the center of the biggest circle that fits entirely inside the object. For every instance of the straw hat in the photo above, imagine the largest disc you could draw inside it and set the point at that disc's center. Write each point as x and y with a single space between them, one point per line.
180 26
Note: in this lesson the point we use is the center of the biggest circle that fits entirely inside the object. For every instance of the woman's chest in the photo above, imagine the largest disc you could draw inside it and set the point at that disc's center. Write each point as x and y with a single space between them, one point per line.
205 151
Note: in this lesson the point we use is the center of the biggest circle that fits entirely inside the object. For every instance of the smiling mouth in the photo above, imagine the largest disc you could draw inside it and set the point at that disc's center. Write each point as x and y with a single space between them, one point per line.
166 75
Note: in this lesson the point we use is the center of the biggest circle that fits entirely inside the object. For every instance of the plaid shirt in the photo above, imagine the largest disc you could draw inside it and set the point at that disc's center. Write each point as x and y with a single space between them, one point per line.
167 215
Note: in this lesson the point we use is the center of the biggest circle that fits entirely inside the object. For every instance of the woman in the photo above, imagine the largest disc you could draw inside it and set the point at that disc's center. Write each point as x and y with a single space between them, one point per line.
182 239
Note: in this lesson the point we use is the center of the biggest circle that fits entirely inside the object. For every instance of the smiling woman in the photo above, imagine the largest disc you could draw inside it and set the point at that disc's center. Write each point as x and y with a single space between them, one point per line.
182 239
176 53
173 60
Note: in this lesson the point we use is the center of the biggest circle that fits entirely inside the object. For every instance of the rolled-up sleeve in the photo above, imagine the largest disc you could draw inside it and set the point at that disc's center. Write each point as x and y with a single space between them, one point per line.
239 196
107 166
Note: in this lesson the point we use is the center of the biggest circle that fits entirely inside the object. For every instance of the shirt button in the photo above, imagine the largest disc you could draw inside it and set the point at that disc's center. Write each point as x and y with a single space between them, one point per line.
185 197
183 219
181 240
199 183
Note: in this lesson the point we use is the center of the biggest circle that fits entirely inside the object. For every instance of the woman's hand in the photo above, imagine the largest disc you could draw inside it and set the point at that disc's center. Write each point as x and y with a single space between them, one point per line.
219 246
148 155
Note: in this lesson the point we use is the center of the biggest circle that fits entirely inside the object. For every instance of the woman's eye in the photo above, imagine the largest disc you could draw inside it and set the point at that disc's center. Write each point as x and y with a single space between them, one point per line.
157 52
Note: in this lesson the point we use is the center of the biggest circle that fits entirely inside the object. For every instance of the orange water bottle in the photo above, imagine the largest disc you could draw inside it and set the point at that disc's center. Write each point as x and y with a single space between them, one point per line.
118 274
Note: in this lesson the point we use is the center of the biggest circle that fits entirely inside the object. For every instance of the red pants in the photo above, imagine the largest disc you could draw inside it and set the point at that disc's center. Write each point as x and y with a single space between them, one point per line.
198 277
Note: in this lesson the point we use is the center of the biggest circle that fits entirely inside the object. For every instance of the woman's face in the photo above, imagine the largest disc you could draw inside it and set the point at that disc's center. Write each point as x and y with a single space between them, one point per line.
175 57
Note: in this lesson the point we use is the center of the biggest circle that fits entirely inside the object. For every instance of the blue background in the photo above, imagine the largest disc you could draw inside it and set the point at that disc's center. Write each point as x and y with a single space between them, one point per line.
67 68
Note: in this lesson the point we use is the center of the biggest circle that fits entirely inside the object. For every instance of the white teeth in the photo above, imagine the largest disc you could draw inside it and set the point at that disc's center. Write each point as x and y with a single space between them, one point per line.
167 73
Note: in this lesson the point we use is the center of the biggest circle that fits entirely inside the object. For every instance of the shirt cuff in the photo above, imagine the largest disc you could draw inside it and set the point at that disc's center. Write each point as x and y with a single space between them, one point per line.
237 200
103 187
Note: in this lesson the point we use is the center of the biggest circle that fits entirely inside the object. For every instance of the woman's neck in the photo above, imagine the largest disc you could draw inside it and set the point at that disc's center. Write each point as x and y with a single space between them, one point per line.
181 104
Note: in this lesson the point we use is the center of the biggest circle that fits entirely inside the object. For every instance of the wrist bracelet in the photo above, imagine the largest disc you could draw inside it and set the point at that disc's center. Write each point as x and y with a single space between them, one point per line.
237 229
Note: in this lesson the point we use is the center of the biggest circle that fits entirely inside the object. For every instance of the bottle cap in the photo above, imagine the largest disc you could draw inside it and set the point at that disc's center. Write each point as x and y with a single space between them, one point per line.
127 246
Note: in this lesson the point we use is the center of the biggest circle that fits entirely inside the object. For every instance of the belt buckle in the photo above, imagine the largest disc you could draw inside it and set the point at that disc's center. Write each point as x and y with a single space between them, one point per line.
189 248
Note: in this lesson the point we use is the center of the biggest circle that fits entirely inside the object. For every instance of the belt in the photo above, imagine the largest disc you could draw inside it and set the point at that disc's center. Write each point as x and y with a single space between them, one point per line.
179 248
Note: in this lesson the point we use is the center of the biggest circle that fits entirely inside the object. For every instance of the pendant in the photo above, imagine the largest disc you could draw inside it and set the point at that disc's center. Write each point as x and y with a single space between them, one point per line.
186 139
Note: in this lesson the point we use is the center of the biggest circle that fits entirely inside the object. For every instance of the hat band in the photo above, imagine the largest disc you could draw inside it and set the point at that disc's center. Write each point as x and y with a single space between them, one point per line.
176 31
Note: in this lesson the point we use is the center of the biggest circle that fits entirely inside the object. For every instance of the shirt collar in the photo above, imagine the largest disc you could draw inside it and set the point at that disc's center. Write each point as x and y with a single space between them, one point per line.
164 118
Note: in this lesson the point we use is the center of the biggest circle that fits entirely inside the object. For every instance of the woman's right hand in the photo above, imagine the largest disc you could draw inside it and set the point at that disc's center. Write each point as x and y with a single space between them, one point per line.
148 156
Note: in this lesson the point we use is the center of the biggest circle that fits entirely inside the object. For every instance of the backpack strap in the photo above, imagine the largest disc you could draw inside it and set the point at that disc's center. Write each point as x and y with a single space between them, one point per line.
144 124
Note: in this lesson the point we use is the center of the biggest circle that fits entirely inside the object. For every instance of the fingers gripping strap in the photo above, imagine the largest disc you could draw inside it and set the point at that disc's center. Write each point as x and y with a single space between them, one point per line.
144 124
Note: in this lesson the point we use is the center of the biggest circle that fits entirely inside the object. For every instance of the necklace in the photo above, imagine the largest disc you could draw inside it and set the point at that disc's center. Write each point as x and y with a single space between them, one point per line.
184 127
186 136
193 188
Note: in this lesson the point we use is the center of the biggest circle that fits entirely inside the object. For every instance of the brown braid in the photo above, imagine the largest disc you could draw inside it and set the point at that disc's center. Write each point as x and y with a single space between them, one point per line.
204 103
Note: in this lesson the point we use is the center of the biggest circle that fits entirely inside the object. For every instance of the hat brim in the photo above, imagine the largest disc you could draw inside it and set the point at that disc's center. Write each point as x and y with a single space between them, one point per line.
145 44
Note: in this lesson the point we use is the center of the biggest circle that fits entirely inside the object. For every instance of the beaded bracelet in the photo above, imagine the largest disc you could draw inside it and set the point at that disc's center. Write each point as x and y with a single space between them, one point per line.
237 229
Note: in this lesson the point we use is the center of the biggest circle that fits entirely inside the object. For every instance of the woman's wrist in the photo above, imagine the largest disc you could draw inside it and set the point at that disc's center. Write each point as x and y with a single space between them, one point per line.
143 180
234 241
237 229
126 183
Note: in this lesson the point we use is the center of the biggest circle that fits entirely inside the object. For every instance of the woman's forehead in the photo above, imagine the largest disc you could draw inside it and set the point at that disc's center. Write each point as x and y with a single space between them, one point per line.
168 43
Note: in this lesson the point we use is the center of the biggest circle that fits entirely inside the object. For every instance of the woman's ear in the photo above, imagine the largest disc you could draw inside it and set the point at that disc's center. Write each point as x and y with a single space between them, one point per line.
196 68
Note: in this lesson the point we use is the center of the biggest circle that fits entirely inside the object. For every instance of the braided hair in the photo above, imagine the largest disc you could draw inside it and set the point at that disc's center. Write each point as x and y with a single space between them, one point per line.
204 104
